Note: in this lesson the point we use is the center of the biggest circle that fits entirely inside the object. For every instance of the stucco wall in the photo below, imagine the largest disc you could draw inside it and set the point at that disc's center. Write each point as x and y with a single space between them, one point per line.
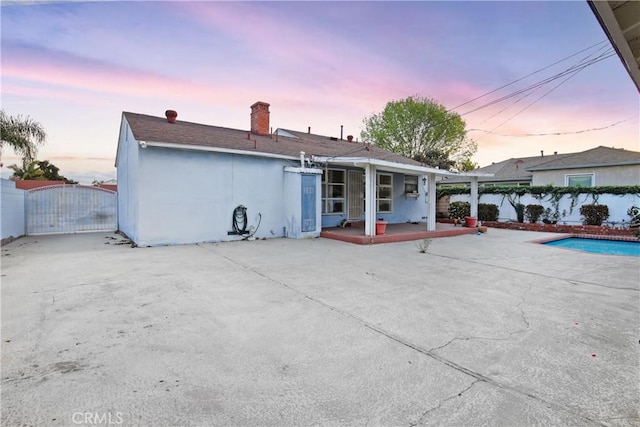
406 209
189 197
618 206
618 175
12 210
127 172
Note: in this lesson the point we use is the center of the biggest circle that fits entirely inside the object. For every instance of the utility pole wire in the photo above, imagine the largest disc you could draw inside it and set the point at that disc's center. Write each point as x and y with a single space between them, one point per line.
608 54
555 133
573 74
528 75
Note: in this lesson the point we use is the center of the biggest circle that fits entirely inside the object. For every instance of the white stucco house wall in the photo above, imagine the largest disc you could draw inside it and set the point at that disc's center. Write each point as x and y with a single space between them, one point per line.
12 203
181 182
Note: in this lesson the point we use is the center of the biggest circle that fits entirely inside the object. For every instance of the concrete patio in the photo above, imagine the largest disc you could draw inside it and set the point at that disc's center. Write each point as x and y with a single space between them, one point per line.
483 329
394 233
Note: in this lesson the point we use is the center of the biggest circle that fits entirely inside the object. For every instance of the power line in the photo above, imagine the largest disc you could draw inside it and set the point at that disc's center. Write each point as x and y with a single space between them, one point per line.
554 133
537 88
543 82
528 75
573 74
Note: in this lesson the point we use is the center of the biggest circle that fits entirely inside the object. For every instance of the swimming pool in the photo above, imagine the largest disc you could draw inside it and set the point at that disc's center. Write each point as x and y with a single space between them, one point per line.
599 246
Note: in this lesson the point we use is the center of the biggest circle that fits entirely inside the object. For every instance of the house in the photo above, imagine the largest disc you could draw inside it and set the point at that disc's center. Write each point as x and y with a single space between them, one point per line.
620 21
182 182
600 166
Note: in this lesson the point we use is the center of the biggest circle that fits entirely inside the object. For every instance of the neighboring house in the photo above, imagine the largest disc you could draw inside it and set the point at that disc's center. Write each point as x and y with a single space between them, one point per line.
181 182
598 166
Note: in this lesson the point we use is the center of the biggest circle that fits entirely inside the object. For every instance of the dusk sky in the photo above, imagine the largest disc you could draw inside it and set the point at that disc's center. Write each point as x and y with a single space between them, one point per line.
76 66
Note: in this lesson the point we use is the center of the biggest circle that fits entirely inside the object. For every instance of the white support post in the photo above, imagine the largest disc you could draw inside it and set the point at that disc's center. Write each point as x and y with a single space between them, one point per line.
370 195
431 202
474 196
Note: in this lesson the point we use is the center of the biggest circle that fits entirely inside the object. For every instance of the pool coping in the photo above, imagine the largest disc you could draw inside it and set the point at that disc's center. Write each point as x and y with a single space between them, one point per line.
585 236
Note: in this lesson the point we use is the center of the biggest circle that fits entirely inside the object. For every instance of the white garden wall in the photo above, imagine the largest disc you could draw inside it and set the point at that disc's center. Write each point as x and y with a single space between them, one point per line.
618 206
12 210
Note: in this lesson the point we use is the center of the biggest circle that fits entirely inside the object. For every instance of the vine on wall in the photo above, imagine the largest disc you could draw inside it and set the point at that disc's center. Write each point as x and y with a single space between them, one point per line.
549 192
545 190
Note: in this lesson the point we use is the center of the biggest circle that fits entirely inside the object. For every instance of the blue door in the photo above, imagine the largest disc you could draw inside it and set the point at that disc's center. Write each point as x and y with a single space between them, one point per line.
308 203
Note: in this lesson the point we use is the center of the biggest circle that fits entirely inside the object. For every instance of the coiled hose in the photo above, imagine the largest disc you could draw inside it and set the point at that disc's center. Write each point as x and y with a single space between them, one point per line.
240 219
240 222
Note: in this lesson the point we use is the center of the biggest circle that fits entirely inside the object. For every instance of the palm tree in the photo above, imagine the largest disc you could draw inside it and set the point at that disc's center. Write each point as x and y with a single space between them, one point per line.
23 135
28 171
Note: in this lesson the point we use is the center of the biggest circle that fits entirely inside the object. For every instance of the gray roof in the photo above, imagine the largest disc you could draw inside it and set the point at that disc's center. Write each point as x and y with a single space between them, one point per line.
514 169
157 129
596 157
521 168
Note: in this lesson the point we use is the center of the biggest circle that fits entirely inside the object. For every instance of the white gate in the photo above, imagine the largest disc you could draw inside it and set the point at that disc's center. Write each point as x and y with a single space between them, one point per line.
70 208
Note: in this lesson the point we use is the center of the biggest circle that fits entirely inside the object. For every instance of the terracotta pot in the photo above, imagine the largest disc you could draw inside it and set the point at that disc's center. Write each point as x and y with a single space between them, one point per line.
470 221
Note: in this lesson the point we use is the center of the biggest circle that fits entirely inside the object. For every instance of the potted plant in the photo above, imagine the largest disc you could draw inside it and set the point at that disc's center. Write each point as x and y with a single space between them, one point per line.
459 210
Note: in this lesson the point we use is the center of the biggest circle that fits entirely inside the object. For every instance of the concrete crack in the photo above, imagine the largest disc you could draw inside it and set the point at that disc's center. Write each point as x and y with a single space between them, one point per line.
429 353
508 337
442 402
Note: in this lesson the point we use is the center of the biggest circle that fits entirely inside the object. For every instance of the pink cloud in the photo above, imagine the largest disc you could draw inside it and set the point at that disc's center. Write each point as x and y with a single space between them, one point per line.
510 140
64 71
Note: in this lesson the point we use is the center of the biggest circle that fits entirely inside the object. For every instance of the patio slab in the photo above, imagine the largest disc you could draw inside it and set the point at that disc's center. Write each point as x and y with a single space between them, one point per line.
484 329
395 233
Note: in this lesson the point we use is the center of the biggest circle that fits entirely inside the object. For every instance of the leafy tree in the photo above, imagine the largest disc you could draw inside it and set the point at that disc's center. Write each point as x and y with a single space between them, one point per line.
39 170
467 165
423 130
29 171
23 135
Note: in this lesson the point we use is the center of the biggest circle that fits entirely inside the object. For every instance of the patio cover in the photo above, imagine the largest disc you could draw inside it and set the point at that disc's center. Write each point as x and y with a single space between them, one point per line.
371 166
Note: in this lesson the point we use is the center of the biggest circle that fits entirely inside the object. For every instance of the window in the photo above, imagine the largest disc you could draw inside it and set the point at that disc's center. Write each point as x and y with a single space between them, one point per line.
584 180
384 197
410 184
333 191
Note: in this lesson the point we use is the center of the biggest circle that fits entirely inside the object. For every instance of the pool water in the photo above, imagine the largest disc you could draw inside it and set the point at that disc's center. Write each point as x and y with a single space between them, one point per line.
599 246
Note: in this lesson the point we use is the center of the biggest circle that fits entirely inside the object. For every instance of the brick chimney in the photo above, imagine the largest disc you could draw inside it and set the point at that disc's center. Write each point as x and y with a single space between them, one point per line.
260 118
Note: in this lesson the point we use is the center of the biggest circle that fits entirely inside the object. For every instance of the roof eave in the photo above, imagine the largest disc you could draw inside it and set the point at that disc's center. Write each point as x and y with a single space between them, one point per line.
588 165
217 150
387 165
611 27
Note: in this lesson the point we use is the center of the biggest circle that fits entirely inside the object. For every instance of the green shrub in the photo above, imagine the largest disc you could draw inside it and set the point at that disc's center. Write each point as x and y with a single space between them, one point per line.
534 212
488 212
594 214
552 217
459 210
